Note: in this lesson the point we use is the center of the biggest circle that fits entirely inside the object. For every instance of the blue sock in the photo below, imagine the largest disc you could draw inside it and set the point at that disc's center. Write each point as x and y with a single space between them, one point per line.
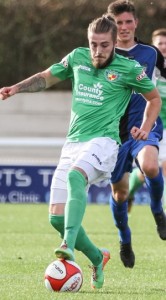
120 216
156 188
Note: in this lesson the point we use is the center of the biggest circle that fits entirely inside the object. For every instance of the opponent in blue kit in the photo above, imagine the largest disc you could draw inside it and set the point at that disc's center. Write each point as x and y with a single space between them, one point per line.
145 153
136 179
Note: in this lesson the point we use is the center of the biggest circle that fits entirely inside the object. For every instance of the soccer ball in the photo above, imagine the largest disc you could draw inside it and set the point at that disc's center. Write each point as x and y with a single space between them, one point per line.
63 276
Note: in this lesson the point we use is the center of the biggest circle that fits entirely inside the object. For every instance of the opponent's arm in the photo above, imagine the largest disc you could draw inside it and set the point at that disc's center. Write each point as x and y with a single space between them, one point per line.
151 113
35 83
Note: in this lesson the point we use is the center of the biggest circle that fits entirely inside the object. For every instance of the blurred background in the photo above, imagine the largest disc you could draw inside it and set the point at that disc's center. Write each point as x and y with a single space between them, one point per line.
34 34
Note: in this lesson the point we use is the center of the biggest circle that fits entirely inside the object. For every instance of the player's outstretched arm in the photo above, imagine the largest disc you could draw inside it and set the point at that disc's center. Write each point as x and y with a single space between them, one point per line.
35 83
151 113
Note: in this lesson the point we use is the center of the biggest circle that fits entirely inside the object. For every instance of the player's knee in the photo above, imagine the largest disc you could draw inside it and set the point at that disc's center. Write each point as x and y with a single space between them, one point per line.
120 195
150 170
76 181
73 176
58 208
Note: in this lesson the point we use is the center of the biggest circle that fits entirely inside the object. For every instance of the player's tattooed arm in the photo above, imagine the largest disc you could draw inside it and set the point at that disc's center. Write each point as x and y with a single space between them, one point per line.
37 82
33 84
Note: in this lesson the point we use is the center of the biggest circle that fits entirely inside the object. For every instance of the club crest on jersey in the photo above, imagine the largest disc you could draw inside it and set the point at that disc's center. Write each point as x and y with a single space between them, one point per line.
111 75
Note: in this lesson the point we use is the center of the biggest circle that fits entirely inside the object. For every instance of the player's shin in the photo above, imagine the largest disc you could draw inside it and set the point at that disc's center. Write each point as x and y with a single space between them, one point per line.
83 243
120 216
75 206
156 188
57 221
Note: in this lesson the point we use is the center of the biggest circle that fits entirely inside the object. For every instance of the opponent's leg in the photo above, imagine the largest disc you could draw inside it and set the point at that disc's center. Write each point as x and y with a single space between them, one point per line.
118 205
156 187
148 160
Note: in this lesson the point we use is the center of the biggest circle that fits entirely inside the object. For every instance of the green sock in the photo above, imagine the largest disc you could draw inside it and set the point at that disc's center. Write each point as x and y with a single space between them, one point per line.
83 243
134 182
75 206
57 221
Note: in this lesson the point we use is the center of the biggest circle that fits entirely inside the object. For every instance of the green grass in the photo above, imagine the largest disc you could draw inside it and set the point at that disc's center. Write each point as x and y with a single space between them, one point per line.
27 243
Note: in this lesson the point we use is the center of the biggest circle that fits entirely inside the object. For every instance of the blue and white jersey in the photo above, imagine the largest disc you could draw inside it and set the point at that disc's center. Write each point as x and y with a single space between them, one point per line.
149 57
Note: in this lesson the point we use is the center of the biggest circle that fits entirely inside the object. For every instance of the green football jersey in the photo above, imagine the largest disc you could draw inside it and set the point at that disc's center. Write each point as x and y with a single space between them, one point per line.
99 96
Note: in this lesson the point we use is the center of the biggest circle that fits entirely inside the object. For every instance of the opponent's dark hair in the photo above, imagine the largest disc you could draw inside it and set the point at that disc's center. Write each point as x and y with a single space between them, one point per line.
104 24
120 6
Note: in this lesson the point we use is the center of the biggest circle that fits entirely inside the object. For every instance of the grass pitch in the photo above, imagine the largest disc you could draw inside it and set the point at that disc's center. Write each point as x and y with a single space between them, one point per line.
27 243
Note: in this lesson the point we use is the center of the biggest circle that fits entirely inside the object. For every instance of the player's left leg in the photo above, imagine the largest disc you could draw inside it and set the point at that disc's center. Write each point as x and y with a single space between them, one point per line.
119 202
119 207
148 161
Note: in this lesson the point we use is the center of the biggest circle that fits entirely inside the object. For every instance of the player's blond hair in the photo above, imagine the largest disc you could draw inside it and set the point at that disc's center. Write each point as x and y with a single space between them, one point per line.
103 24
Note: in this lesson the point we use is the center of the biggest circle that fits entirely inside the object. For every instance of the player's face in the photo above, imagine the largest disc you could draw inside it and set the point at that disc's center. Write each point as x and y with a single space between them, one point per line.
102 48
160 43
127 25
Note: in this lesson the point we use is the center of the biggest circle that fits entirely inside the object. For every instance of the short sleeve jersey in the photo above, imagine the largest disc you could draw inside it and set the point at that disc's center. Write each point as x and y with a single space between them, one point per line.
99 96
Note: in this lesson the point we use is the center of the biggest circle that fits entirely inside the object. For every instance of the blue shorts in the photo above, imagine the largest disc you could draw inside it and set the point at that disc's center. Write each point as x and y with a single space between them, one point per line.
128 152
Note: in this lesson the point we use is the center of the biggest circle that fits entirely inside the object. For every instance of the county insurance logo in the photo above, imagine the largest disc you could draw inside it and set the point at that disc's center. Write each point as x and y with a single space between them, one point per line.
111 75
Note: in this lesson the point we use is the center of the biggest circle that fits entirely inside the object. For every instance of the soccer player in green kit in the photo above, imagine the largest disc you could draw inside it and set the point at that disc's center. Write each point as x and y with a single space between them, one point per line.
102 84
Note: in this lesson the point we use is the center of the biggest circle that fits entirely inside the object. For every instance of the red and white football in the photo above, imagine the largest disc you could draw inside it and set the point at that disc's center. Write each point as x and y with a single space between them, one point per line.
63 276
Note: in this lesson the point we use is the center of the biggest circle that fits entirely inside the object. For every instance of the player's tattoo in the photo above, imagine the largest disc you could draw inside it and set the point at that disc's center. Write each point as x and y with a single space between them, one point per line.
33 84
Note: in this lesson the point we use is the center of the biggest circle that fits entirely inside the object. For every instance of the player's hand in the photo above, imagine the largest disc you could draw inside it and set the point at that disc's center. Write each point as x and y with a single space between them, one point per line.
6 92
139 134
